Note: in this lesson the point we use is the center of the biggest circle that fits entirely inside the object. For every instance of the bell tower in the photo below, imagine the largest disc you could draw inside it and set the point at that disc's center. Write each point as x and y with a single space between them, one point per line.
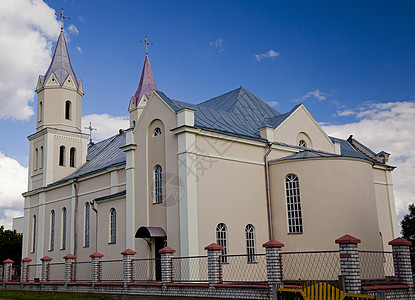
58 147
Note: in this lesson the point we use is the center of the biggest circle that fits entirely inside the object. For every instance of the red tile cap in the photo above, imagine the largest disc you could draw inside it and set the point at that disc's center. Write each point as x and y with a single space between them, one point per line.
400 242
167 250
214 246
70 256
128 252
96 254
46 258
347 239
273 244
8 261
26 259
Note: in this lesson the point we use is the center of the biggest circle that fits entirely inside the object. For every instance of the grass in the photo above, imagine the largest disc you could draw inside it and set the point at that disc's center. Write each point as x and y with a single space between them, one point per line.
52 296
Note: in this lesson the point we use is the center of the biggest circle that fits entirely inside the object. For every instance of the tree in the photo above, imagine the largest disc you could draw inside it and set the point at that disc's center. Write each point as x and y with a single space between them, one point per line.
10 245
408 226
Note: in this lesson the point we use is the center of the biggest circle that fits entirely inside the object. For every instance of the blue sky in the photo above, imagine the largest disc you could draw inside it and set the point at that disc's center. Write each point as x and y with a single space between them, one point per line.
352 63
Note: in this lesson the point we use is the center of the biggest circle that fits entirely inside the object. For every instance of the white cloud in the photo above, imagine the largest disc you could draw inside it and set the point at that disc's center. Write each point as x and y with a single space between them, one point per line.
105 124
272 103
345 113
13 182
389 127
26 34
72 29
79 49
218 44
269 54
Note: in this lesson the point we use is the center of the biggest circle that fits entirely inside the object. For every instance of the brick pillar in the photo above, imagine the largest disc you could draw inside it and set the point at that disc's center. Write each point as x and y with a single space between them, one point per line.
166 265
69 268
402 260
96 270
24 273
45 277
214 251
7 269
127 266
349 263
273 250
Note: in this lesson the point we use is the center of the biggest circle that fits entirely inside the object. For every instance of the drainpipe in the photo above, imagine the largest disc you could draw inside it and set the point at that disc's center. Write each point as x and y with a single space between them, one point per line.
271 236
75 185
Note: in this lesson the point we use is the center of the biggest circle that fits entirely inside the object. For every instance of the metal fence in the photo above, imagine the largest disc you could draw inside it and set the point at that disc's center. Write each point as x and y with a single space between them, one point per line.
33 273
82 271
56 272
245 268
190 269
377 267
413 263
299 267
1 273
16 271
146 269
111 270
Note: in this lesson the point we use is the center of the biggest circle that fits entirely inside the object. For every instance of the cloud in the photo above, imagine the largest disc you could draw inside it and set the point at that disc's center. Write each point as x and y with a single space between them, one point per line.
26 34
389 127
345 113
13 182
72 29
272 103
105 124
82 19
315 94
79 49
269 54
218 44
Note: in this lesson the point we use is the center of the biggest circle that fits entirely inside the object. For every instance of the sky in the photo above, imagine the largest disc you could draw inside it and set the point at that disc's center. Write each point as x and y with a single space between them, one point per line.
351 63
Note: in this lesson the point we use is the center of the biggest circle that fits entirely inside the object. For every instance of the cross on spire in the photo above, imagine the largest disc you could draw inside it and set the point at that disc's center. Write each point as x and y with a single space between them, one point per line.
90 131
63 17
147 43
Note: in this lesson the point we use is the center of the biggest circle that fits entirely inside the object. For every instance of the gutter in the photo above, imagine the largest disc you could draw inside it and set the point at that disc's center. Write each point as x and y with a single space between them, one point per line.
75 185
271 236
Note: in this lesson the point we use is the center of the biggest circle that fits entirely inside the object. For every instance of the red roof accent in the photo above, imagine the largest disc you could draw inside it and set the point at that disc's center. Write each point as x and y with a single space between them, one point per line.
347 239
46 258
273 244
26 259
147 83
128 252
8 261
214 246
400 242
70 256
96 254
167 250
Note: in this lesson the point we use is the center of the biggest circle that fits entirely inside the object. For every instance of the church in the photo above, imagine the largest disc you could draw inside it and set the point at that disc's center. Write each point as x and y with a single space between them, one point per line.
230 170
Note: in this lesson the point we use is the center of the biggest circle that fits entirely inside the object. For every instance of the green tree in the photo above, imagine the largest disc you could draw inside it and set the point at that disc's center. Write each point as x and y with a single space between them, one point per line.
408 225
10 245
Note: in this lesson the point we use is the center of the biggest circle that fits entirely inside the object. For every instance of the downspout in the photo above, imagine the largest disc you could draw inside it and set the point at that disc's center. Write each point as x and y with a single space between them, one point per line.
75 185
271 236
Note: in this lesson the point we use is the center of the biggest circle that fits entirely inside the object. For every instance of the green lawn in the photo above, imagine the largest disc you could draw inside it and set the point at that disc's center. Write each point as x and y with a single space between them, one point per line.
52 296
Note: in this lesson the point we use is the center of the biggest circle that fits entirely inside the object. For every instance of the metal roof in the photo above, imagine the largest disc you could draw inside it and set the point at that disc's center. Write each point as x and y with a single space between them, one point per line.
147 83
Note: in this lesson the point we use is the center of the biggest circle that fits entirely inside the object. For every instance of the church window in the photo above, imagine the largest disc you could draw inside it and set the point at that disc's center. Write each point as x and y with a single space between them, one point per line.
158 184
34 235
36 158
64 215
41 158
52 231
62 151
72 157
68 107
113 226
157 131
302 143
40 112
292 189
86 224
221 240
250 243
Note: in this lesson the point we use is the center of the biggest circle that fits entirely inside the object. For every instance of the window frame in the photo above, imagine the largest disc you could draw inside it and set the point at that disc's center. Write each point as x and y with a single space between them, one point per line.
113 226
52 230
157 131
68 110
72 157
34 221
62 154
293 204
250 243
222 240
158 184
64 225
87 217
302 143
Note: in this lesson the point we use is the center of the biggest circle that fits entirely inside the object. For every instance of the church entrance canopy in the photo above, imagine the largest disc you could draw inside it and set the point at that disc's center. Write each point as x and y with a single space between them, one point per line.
145 232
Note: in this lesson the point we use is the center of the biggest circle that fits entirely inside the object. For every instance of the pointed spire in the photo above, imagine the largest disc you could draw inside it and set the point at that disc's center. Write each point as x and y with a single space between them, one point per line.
147 83
61 63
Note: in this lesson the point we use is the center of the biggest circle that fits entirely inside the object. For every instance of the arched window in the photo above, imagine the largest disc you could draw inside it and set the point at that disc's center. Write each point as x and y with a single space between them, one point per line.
302 143
250 243
158 184
68 108
72 157
64 215
52 231
86 224
62 151
292 190
113 226
157 131
41 158
34 235
36 160
221 240
40 112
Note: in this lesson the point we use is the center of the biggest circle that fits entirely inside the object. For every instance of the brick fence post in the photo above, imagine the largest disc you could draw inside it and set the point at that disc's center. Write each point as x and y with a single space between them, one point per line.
273 250
7 269
127 266
214 252
349 263
45 269
24 273
402 260
96 270
166 265
69 268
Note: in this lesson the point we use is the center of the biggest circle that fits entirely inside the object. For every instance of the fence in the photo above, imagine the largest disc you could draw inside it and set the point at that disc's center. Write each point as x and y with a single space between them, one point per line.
145 269
243 268
16 271
190 269
111 270
412 255
81 271
56 272
376 267
33 273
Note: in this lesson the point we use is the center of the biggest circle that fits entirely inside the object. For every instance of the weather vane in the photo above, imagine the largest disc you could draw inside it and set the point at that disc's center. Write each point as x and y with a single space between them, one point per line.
90 131
63 17
147 43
